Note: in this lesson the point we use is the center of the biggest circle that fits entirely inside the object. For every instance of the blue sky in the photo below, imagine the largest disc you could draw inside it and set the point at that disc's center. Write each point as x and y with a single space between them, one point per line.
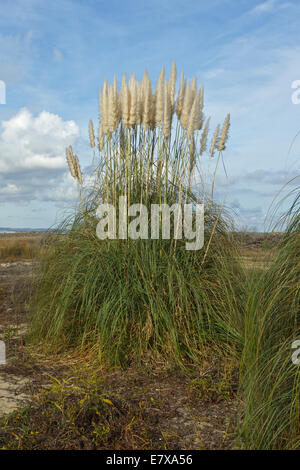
55 55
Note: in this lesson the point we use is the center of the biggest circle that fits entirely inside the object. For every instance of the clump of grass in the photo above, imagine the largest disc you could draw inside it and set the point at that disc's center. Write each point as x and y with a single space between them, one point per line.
129 299
271 381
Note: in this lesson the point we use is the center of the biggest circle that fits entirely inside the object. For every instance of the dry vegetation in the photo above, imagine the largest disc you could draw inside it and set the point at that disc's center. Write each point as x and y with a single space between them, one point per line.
20 246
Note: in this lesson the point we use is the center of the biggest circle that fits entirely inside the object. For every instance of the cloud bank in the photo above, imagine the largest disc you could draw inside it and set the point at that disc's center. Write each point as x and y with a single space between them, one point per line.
32 157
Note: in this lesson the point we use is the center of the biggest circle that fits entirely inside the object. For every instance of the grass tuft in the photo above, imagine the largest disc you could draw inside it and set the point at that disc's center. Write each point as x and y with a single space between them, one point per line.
271 381
128 300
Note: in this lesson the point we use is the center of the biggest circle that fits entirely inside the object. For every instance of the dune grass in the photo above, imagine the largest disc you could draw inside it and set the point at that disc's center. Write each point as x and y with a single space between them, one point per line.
271 381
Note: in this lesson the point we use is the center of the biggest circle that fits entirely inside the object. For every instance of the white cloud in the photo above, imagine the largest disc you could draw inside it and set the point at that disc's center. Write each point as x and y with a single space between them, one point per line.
9 189
32 158
270 5
34 143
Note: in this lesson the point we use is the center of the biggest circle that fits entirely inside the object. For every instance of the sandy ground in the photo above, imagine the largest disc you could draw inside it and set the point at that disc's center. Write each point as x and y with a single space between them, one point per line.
13 277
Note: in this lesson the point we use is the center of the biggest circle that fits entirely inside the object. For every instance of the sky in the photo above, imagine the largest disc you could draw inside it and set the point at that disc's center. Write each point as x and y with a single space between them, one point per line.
55 55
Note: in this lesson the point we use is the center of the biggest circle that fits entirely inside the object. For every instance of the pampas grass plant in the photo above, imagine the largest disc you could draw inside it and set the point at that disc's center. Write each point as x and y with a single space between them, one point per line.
128 299
270 380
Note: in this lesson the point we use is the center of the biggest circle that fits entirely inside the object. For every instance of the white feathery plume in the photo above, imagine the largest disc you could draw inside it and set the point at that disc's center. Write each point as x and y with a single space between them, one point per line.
167 112
113 108
125 102
214 141
186 106
172 82
133 101
101 137
91 134
203 141
159 94
123 86
70 161
105 108
199 112
147 109
140 102
180 97
224 133
194 87
78 170
116 101
193 117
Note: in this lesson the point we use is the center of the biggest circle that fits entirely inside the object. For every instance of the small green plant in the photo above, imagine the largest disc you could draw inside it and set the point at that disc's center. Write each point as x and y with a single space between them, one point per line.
69 410
212 389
